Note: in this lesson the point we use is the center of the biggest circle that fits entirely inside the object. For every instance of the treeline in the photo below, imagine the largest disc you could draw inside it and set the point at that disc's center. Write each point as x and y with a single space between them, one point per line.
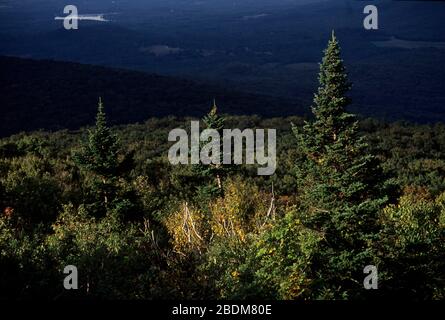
345 195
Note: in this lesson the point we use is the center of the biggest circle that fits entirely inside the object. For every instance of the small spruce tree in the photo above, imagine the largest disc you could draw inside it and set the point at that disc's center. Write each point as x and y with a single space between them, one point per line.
99 156
212 174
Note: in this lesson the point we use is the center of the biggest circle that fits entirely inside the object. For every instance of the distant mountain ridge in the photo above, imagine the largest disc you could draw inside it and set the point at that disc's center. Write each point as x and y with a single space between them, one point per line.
44 94
276 53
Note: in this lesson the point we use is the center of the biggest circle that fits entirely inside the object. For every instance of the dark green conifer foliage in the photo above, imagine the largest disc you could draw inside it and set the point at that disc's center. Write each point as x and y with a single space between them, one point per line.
213 120
212 175
340 186
100 156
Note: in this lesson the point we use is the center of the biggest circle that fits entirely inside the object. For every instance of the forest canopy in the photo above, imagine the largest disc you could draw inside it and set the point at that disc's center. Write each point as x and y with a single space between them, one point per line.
346 194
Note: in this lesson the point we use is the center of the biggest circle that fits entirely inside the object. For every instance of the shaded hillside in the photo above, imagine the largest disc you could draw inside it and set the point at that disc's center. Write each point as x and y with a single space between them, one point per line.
54 95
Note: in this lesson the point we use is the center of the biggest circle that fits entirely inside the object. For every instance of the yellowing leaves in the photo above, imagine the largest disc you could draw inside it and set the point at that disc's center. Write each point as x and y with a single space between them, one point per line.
187 229
242 210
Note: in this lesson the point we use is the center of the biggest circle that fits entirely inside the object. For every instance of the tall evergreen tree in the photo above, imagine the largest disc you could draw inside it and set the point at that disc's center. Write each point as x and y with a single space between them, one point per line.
340 183
327 241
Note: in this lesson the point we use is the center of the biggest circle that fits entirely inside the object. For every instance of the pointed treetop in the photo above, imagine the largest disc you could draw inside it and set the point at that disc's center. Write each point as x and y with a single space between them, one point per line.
100 118
100 105
212 120
333 46
333 78
214 108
